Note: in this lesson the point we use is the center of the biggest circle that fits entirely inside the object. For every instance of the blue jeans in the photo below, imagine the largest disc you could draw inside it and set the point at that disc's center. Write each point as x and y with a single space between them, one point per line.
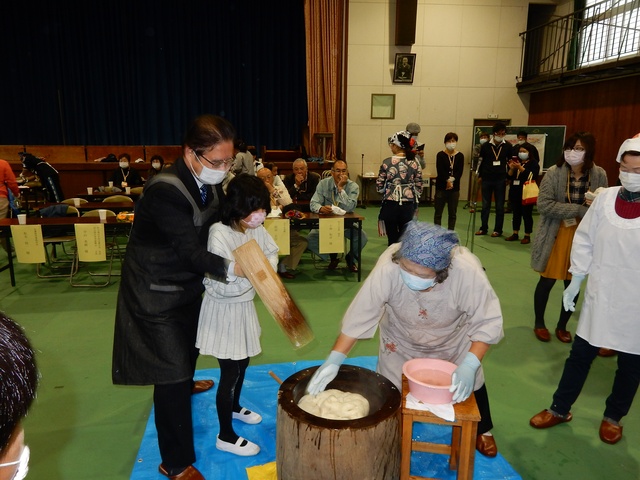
495 189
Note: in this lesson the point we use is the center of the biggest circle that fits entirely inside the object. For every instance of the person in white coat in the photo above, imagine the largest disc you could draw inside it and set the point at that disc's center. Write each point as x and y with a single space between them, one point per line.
431 298
605 248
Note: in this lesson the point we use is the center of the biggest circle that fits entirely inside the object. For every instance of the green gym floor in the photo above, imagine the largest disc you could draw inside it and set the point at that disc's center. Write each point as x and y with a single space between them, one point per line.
82 427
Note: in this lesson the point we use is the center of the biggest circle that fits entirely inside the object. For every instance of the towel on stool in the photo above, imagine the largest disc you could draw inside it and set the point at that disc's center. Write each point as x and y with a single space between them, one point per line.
444 410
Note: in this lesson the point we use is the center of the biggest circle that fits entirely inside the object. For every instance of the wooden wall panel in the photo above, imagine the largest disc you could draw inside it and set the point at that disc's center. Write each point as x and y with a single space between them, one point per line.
55 154
608 109
99 151
11 153
169 153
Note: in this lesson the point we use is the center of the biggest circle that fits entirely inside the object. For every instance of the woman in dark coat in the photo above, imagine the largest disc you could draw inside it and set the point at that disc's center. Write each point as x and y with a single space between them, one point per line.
161 289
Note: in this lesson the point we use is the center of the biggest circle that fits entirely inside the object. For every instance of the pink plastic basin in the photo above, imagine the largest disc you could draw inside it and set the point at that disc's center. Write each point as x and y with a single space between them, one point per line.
429 379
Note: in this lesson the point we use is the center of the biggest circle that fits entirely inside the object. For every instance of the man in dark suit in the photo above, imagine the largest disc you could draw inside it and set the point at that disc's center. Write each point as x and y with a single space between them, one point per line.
161 289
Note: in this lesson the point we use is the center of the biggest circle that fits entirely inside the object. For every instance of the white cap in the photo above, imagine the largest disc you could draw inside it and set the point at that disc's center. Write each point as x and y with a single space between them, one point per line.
629 144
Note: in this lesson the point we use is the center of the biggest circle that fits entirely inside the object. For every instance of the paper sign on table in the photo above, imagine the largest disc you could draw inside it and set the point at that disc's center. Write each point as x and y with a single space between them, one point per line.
90 242
331 235
28 243
279 229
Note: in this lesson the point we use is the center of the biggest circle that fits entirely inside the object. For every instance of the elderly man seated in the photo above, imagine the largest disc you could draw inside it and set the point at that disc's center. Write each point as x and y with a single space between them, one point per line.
337 190
301 184
297 243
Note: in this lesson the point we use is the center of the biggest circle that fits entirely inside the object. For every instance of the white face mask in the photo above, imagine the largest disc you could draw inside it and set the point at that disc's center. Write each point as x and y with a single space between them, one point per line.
156 165
450 146
523 155
23 464
498 139
255 219
416 283
520 142
483 141
630 181
573 157
124 164
209 176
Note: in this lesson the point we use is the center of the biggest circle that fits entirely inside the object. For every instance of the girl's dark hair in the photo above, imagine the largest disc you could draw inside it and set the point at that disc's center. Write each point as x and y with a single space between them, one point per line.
159 158
124 155
451 136
19 377
207 131
245 194
588 141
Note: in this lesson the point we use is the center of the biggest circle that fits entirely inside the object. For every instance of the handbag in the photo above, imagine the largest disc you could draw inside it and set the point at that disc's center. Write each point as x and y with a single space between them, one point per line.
530 191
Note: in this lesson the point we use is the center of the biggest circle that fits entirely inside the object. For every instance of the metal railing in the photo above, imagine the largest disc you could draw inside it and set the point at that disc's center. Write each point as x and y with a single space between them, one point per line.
603 33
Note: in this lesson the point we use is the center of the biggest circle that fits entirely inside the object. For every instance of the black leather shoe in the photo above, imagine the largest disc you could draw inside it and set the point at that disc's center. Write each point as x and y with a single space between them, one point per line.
200 386
287 275
333 264
546 419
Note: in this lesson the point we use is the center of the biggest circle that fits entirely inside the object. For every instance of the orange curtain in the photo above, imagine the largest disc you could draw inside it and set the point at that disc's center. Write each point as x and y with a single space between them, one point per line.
325 25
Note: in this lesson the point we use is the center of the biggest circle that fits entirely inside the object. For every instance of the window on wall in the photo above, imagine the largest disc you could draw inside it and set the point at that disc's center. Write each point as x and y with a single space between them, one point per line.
610 31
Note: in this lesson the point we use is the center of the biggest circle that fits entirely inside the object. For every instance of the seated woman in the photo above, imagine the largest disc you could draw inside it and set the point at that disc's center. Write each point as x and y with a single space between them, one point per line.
157 162
124 175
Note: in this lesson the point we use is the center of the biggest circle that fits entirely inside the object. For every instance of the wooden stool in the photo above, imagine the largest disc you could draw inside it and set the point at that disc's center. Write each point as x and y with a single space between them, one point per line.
463 437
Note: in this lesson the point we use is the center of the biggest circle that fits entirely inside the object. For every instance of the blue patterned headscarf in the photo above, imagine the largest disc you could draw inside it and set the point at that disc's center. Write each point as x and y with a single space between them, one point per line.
428 245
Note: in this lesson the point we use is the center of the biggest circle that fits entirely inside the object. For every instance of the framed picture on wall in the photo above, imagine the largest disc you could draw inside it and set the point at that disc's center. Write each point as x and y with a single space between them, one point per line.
383 105
404 68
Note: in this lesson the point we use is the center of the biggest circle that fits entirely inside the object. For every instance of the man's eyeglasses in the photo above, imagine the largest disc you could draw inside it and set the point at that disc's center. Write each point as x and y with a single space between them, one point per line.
340 171
217 164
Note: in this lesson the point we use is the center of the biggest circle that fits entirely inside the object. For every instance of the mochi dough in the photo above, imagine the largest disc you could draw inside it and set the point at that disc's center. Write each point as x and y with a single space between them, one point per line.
335 405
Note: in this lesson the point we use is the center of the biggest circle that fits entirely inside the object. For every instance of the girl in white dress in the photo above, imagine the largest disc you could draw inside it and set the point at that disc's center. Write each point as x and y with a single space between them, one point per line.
228 328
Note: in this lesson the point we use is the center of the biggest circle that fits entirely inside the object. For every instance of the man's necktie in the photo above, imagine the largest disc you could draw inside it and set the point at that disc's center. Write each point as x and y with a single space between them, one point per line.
203 194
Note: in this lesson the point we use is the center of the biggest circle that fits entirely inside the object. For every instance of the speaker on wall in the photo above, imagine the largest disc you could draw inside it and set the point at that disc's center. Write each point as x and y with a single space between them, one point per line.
406 11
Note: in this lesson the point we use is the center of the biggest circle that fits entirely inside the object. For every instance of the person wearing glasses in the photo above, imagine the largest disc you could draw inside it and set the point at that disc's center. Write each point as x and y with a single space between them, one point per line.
18 384
337 191
302 183
162 284
566 192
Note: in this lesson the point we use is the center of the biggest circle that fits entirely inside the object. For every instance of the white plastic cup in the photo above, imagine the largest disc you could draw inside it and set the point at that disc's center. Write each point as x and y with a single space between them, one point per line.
22 218
103 214
90 190
111 184
76 202
127 190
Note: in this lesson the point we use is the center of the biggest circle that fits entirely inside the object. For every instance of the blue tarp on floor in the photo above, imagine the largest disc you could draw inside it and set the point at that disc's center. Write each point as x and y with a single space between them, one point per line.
260 394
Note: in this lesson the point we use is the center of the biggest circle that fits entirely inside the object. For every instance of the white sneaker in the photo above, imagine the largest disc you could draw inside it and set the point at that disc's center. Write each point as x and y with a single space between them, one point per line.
246 451
247 416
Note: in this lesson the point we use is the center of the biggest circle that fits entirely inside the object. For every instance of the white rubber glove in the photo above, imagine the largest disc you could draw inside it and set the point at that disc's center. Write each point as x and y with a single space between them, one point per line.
570 293
325 373
464 378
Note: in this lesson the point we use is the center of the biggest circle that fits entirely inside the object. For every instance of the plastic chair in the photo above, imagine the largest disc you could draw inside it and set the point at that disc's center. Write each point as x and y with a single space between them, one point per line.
117 198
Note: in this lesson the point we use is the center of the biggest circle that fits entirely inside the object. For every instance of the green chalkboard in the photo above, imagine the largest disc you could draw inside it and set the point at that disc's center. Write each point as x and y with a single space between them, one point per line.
548 139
